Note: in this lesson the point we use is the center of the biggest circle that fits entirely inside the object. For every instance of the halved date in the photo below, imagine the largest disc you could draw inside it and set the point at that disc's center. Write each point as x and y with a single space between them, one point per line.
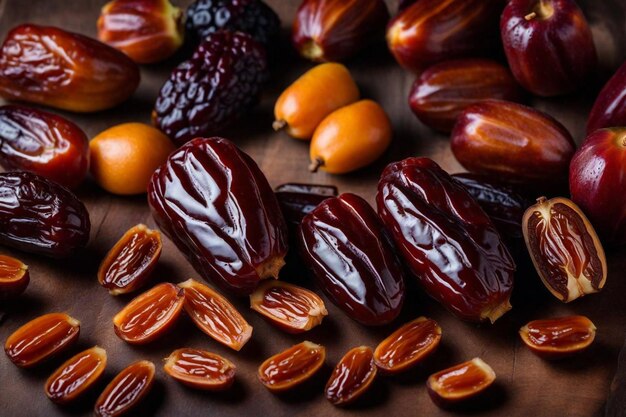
14 277
558 337
292 367
126 390
446 239
200 369
352 376
461 382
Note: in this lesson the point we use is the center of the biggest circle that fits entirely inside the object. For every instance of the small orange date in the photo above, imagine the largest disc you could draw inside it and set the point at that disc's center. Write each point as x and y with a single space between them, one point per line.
292 367
558 337
200 369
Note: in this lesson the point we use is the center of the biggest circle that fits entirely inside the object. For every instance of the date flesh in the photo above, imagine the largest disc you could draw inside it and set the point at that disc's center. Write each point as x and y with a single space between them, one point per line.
460 382
14 277
558 337
200 369
352 376
292 367
126 390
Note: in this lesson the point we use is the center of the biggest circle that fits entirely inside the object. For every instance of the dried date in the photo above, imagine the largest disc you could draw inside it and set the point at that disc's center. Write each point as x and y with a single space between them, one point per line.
76 375
298 200
352 376
126 390
292 367
460 383
200 369
14 277
558 337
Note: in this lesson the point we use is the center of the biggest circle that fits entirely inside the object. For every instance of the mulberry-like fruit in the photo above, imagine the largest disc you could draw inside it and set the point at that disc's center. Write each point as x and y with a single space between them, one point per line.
204 94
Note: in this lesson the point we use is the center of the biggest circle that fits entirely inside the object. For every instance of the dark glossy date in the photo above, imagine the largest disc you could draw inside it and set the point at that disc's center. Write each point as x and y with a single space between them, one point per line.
344 244
215 204
40 216
298 200
446 239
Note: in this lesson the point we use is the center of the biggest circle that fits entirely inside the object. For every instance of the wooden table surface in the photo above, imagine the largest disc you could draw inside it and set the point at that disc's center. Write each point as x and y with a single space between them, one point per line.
526 385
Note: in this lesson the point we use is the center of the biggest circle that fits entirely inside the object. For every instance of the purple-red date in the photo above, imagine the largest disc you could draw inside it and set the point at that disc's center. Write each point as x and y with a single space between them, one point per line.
298 200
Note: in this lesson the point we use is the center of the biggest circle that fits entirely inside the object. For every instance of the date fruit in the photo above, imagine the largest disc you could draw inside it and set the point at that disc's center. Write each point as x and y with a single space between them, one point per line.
461 382
441 92
352 376
596 173
126 390
76 375
513 142
564 248
408 346
130 262
446 239
215 204
344 244
609 109
41 338
559 337
44 143
14 277
298 200
548 45
215 316
200 369
150 314
293 309
331 30
292 367
49 66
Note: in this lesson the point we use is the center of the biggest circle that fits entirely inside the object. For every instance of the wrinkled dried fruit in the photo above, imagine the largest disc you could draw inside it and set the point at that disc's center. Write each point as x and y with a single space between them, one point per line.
514 142
460 382
200 369
204 94
44 143
352 376
148 31
14 277
47 65
609 109
215 204
292 367
41 338
352 259
559 337
308 100
150 314
40 216
564 248
126 390
298 200
408 346
441 92
446 239
332 30
130 262
294 309
76 375
215 315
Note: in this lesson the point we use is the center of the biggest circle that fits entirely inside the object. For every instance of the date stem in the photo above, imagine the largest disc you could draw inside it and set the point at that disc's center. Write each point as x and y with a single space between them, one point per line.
316 164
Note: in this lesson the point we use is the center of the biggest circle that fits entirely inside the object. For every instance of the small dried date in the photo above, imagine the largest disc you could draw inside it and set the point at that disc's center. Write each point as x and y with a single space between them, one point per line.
558 337
200 369
292 367
14 277
352 376
461 382
126 390
298 200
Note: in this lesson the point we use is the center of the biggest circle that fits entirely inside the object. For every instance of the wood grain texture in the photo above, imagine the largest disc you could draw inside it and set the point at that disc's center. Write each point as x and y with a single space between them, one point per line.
526 385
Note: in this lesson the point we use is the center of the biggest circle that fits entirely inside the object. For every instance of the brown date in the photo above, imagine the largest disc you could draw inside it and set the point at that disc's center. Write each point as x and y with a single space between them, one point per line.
76 375
446 239
558 337
564 248
352 376
461 382
298 200
41 338
47 65
292 367
200 369
126 390
14 277
215 204
130 262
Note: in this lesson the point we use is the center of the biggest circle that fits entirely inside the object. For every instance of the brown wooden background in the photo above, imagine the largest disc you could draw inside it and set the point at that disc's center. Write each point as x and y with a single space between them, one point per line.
526 385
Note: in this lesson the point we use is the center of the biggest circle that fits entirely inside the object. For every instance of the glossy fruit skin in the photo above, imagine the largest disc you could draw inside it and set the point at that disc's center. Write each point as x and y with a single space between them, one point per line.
548 45
130 261
292 366
40 216
14 277
350 138
207 186
200 369
44 143
303 105
344 244
41 338
430 31
440 93
126 390
513 142
148 31
423 207
334 30
36 66
204 94
564 248
609 109
558 337
460 382
352 376
298 200
215 315
597 170
76 375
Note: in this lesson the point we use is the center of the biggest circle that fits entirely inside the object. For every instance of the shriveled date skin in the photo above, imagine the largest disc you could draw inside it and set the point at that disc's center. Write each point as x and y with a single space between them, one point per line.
446 239
558 337
298 200
216 205
126 390
40 216
344 244
200 369
352 376
47 65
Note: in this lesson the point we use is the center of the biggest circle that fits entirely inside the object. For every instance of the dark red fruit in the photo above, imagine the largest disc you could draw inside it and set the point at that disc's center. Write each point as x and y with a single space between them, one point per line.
609 110
204 94
298 200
